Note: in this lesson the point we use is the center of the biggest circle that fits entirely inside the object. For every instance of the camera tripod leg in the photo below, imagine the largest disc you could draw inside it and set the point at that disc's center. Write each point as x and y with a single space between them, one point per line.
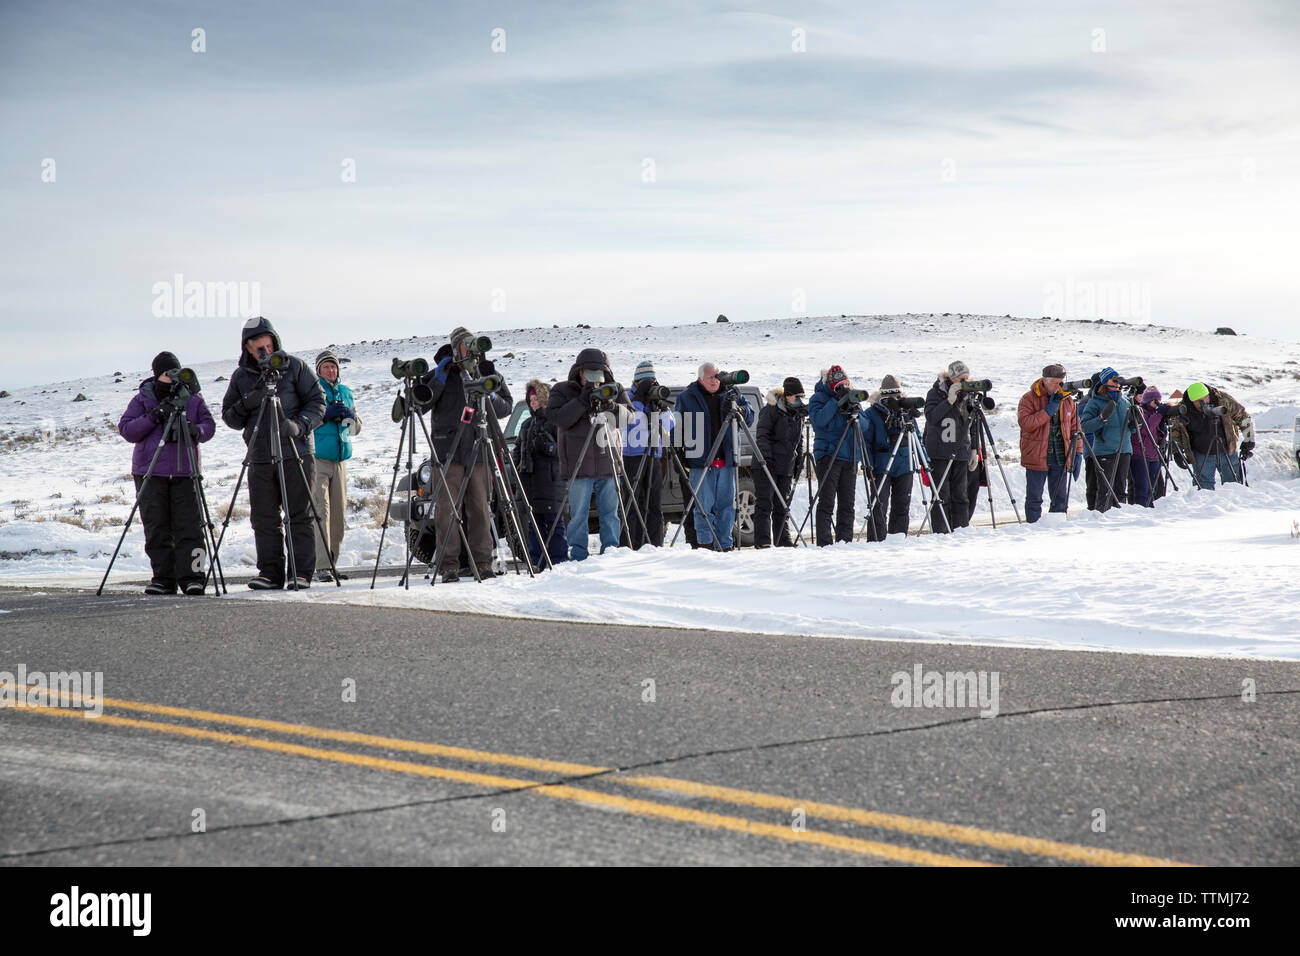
392 490
758 456
213 571
568 488
938 498
134 508
684 478
990 444
821 486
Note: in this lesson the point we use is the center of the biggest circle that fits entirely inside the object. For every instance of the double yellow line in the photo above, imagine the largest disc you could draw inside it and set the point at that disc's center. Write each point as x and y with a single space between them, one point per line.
913 826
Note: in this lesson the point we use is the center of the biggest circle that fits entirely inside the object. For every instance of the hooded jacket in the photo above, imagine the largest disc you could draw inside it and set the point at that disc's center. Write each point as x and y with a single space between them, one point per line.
1114 436
698 434
136 426
1193 430
570 410
1036 427
452 414
947 426
779 435
537 456
333 439
300 396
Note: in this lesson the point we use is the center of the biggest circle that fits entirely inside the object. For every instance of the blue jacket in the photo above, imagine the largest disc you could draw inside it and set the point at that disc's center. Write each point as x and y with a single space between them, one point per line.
880 442
828 425
640 427
1112 437
691 402
334 438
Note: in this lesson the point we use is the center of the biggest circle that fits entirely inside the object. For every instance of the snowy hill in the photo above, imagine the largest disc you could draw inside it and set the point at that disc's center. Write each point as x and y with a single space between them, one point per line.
65 487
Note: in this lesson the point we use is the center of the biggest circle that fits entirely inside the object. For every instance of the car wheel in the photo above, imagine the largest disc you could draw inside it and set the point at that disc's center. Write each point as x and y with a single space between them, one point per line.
423 546
746 501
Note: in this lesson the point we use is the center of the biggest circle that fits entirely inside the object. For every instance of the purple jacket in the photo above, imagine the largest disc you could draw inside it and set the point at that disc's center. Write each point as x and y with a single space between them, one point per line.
1143 446
136 426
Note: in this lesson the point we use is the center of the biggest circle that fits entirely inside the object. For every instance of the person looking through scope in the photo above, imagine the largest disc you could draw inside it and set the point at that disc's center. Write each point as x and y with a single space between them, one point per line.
705 407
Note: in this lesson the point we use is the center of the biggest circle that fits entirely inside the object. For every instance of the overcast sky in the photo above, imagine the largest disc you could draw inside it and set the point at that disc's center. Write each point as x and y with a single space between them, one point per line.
632 163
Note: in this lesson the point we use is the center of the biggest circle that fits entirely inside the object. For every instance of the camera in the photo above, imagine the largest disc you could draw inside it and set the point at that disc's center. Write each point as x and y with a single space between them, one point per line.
1078 385
655 393
980 385
486 384
410 368
1218 411
273 361
844 397
894 400
732 379
1135 383
604 392
185 383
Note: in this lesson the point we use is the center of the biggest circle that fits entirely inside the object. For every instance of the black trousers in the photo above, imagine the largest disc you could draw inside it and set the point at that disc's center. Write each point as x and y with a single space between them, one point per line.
1107 463
974 481
268 529
173 529
837 481
951 493
893 508
648 492
1090 476
771 522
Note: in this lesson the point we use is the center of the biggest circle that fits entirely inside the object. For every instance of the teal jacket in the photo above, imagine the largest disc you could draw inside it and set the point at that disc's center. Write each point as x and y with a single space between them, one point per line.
1113 436
334 438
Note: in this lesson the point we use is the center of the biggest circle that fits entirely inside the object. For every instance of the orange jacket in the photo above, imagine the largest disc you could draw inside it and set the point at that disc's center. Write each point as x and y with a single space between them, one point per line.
1036 428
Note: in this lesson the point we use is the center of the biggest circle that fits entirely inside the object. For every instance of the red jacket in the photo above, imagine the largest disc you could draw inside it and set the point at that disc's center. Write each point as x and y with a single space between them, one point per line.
1036 428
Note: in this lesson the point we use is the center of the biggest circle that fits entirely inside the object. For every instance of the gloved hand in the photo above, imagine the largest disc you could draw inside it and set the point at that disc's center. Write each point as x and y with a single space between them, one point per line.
158 414
1247 449
253 398
1108 411
1053 404
973 462
440 373
486 367
195 434
954 393
1176 454
337 410
292 428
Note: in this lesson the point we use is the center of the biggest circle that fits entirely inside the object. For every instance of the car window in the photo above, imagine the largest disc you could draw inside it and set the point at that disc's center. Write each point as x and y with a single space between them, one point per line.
520 415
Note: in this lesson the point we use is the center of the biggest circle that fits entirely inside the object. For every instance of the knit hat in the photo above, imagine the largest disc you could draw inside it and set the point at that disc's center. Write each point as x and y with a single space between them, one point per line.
835 376
1105 375
1197 391
165 362
1054 371
889 382
1152 394
327 356
791 386
958 369
643 371
457 334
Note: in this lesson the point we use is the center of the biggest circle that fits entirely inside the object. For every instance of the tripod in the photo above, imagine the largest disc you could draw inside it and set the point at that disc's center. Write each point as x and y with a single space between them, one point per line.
598 419
270 378
176 430
1143 427
488 444
852 427
985 443
407 422
647 456
919 462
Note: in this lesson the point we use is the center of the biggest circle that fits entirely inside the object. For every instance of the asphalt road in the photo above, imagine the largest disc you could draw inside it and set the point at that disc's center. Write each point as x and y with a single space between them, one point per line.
480 740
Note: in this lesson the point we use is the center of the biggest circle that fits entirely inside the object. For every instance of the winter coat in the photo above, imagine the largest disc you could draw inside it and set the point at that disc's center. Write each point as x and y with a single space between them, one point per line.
448 417
779 435
880 441
1194 431
829 424
639 432
1157 423
334 438
1036 427
136 426
693 401
1114 436
300 396
569 409
537 456
947 426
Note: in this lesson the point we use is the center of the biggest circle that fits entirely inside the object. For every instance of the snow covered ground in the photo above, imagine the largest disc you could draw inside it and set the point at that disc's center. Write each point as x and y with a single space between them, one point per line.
1201 574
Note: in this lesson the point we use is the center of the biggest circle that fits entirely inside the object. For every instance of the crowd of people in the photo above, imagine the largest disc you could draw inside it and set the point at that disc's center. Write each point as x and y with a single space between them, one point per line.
587 438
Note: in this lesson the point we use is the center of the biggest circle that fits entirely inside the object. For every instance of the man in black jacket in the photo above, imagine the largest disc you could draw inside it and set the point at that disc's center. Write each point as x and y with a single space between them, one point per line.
947 443
570 407
302 404
780 439
455 420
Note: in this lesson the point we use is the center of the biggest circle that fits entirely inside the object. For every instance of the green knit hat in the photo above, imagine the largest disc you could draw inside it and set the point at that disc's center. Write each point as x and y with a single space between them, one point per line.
1196 391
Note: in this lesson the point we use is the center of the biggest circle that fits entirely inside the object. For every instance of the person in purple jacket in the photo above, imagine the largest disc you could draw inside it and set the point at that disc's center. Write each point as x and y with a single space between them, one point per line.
1144 466
169 507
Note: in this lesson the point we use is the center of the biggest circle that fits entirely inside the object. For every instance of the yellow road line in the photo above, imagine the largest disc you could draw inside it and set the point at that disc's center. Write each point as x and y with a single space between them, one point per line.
918 826
646 808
